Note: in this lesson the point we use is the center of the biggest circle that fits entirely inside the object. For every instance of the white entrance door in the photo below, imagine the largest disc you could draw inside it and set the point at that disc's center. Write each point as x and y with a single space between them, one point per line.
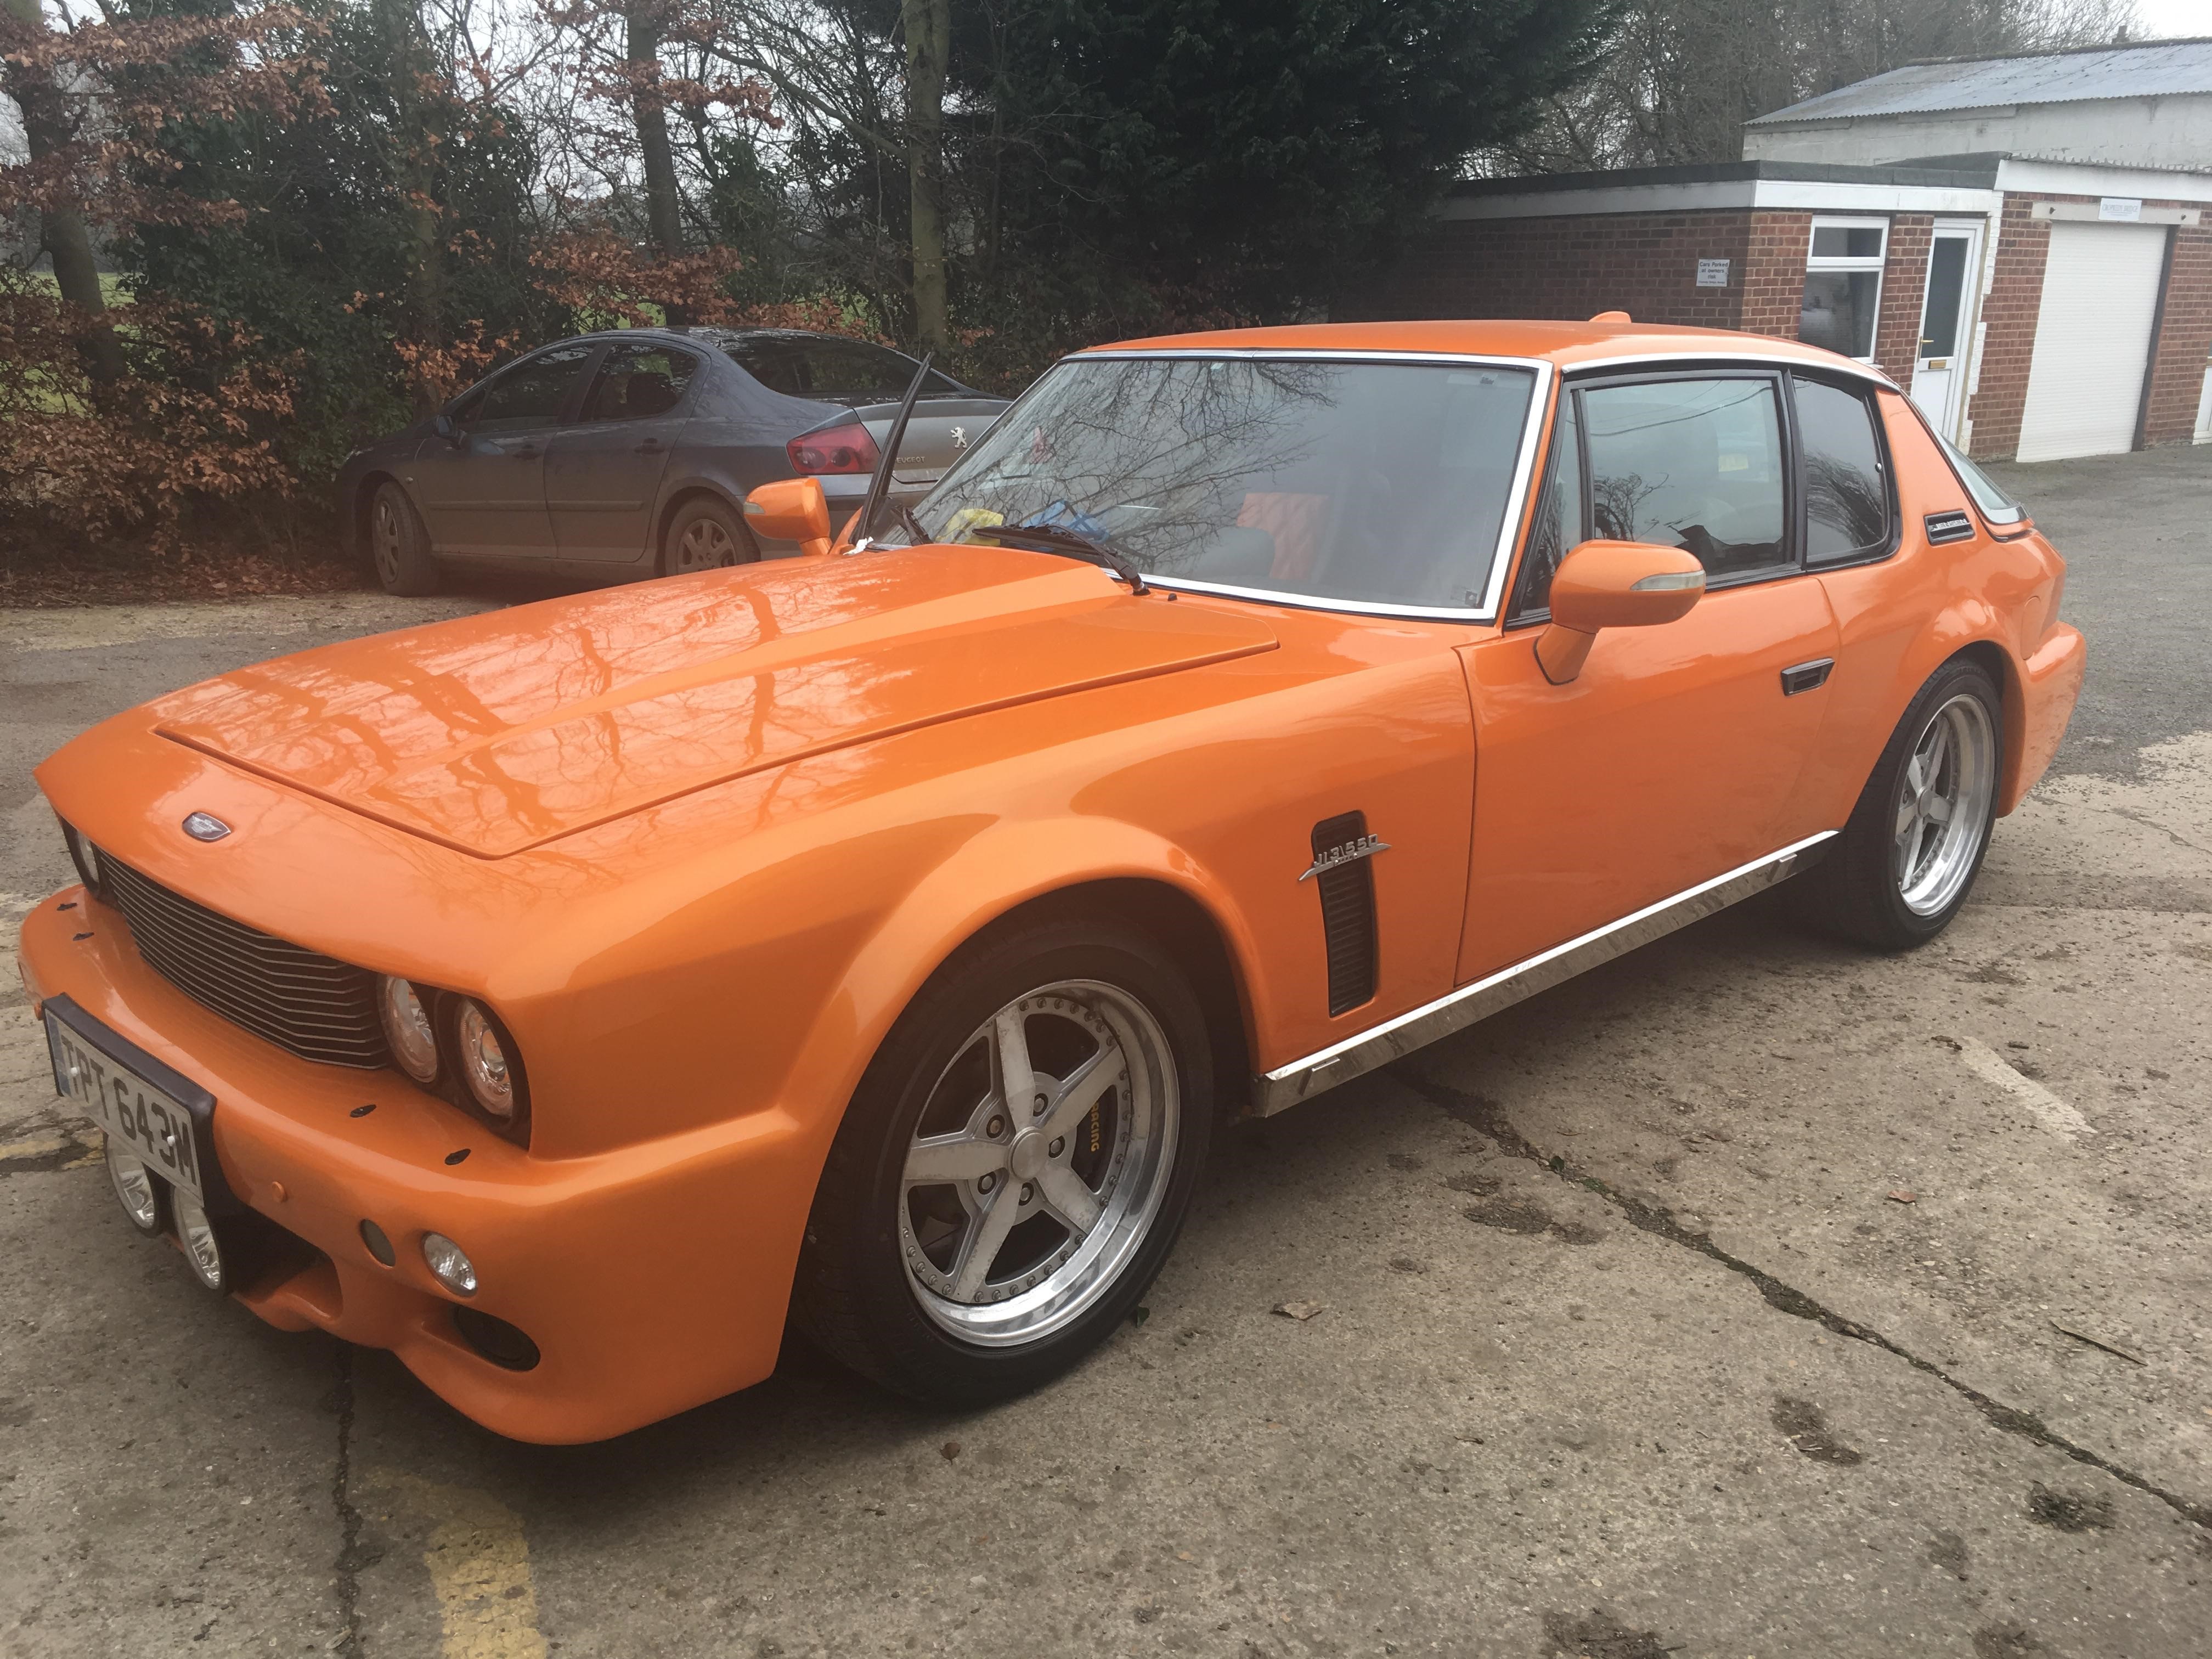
2091 339
1946 323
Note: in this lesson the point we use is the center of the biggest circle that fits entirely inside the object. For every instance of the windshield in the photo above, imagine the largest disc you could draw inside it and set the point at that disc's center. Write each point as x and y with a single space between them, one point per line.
1996 507
1363 482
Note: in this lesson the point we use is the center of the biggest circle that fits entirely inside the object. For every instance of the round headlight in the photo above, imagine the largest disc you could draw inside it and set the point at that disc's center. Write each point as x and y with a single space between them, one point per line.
87 857
484 1060
449 1264
408 1029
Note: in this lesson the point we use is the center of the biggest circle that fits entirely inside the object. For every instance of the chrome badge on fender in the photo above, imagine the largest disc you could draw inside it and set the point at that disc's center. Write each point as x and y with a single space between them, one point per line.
1364 847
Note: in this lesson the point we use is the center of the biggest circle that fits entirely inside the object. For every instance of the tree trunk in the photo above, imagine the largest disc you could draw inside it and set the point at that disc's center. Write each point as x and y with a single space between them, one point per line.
928 46
662 221
62 230
412 164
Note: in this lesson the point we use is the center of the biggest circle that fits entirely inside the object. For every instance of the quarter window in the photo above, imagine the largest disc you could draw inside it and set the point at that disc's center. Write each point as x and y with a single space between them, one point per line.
1842 285
1693 464
639 381
1561 525
1846 495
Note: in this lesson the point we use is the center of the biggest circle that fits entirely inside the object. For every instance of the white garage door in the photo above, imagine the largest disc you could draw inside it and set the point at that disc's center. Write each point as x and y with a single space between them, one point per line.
2091 339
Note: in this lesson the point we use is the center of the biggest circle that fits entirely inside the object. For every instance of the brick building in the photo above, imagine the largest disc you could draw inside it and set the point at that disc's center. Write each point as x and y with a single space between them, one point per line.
2035 308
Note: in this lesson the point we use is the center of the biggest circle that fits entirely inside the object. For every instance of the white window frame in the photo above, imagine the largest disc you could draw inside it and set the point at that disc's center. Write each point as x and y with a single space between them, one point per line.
1878 264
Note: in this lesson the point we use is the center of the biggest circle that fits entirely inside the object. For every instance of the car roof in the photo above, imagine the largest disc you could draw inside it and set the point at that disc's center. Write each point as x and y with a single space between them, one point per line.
1569 345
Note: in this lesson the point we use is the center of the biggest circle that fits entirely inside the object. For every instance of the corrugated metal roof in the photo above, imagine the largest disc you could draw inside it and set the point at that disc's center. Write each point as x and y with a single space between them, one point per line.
2156 69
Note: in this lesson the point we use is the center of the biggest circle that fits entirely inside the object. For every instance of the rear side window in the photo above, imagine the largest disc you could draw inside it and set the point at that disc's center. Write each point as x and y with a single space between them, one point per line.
1997 508
1847 511
1693 464
828 368
638 381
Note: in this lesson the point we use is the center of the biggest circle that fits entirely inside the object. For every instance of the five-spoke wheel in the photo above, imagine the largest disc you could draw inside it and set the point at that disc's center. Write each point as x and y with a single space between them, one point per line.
1908 857
1039 1162
1015 1166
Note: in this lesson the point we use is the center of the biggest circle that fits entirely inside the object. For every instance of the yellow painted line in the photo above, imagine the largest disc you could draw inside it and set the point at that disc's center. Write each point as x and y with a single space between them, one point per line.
479 1563
43 1147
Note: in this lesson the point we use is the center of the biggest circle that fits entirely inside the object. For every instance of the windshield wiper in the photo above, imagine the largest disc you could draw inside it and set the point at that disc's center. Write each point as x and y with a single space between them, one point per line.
1059 539
911 525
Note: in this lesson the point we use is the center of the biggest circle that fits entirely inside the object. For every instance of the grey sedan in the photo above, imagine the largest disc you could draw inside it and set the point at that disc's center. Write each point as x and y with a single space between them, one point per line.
614 455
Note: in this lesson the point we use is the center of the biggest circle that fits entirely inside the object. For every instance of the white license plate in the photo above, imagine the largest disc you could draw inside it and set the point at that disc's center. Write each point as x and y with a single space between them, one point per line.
150 1123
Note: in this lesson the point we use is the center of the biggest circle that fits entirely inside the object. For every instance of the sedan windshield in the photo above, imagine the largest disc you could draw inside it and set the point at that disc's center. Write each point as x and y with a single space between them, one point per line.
1364 481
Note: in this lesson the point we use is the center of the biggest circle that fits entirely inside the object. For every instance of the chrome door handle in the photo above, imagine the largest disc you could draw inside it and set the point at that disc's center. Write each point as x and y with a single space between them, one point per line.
650 447
524 452
1807 676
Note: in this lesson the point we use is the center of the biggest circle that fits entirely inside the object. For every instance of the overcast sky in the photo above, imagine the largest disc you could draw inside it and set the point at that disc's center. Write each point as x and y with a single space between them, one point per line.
2171 17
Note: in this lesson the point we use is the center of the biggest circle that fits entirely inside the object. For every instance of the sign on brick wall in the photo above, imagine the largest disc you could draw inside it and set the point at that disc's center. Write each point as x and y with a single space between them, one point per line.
1712 273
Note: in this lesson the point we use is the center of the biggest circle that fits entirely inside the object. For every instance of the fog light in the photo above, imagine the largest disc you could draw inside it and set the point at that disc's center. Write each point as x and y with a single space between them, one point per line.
407 1029
196 1234
135 1186
449 1264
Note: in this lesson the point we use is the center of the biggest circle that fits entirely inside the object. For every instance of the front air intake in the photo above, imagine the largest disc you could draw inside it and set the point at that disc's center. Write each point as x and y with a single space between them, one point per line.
1345 879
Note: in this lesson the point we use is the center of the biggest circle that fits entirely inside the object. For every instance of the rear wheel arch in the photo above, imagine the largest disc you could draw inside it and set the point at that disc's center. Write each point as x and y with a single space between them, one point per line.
1998 663
683 496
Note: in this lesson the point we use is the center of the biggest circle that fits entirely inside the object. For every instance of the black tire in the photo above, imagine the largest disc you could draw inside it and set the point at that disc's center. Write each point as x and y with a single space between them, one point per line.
856 1297
705 534
399 545
1857 892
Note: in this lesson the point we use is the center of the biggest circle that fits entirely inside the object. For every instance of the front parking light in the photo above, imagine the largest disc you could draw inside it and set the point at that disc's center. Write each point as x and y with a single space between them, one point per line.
449 1264
196 1234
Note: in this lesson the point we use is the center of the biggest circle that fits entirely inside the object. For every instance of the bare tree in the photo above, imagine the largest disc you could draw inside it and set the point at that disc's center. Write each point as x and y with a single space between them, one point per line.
1681 76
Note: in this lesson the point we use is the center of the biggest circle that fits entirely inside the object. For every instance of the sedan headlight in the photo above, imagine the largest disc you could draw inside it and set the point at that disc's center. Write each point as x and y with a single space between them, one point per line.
407 1029
488 1064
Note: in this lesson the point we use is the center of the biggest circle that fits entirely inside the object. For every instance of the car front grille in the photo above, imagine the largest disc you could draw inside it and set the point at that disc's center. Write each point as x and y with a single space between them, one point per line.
312 1006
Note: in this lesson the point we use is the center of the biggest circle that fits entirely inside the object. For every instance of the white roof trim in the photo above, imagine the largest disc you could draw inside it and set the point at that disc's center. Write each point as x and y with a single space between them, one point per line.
1785 194
2094 178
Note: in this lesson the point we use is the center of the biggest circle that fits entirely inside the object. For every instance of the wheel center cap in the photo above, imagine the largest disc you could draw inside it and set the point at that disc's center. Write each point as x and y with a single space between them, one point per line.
1026 1158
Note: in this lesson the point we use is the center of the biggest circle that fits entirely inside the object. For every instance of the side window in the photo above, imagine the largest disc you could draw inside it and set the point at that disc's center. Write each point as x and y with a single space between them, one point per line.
1846 494
531 394
1693 464
1558 527
639 381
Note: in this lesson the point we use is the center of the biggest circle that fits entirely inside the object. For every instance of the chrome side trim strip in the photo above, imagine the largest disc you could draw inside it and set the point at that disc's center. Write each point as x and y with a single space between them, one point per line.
1341 1062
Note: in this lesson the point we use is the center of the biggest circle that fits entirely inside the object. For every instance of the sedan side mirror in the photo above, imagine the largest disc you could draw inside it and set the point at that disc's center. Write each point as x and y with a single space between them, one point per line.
791 510
446 428
1613 585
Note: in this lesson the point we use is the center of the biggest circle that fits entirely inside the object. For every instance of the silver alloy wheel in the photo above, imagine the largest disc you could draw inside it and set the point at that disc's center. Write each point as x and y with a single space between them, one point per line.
386 531
1027 1192
704 545
1943 805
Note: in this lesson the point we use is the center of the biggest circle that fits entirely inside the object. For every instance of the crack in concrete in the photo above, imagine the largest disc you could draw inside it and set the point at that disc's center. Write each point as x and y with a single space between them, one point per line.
348 1645
1488 1118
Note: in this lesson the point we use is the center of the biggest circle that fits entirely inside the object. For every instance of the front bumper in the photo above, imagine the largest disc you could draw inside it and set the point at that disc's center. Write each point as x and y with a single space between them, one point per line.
651 1277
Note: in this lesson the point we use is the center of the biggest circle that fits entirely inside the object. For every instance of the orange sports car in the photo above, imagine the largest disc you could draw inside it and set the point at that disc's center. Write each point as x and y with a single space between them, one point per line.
566 998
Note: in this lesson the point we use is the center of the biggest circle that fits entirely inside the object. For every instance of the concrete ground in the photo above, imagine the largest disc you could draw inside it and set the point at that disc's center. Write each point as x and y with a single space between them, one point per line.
1750 1297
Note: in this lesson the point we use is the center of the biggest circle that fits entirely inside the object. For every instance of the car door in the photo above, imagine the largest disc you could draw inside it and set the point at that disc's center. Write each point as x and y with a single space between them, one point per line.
603 471
1677 753
482 492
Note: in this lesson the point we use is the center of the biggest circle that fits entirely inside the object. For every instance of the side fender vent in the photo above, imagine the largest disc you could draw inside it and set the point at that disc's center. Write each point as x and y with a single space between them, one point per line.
1953 526
1347 912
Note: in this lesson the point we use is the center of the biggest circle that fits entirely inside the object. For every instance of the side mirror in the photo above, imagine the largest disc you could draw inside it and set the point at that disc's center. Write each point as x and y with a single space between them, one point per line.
791 510
1613 585
446 428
